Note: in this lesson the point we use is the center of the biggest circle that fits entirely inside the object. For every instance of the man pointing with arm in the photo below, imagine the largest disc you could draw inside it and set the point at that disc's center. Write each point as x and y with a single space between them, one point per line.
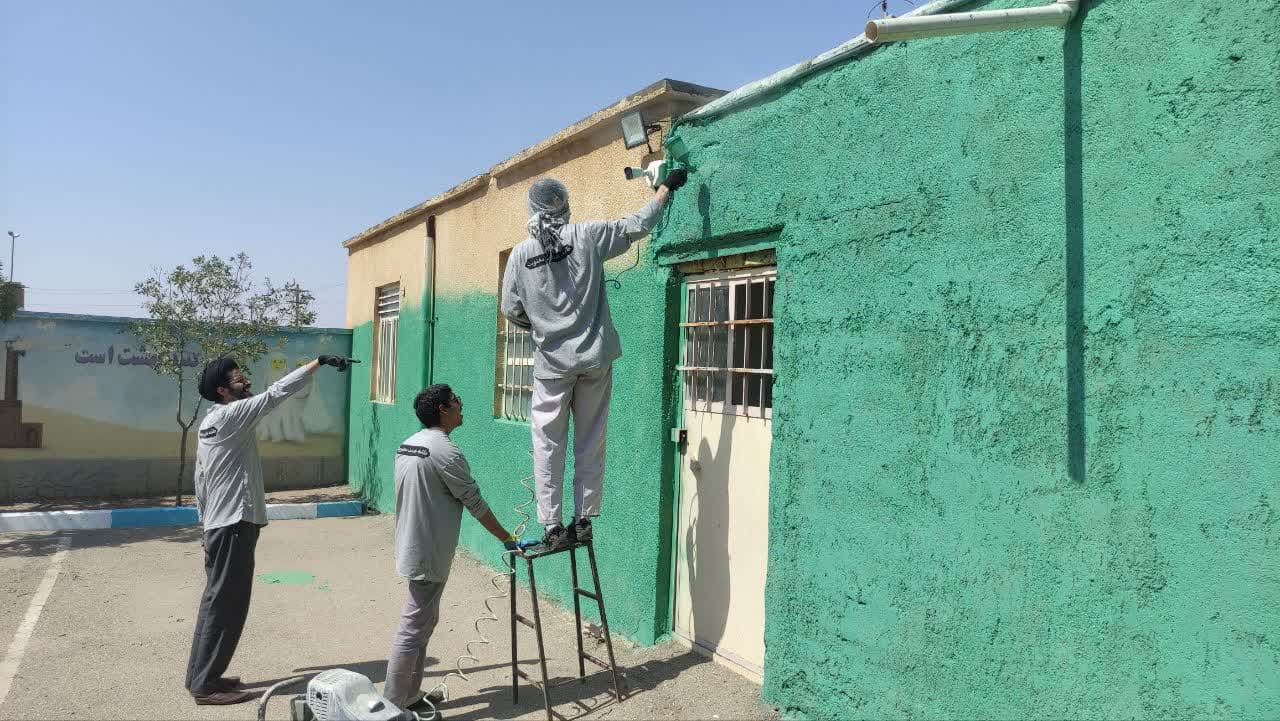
232 507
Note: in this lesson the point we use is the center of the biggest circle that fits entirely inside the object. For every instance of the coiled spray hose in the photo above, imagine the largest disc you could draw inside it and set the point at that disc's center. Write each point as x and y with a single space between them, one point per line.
500 582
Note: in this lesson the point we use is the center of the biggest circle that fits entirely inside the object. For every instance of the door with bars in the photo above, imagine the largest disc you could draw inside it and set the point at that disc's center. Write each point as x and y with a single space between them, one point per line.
727 377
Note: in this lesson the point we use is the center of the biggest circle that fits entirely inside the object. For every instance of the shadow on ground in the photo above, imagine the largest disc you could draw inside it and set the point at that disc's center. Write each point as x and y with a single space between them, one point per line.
46 543
570 698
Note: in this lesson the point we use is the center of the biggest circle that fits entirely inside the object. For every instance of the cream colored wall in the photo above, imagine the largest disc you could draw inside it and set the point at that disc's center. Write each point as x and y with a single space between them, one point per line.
473 229
473 232
400 258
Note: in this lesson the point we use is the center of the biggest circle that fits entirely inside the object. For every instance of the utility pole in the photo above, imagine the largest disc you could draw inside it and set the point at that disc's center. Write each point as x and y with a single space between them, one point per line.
13 239
298 303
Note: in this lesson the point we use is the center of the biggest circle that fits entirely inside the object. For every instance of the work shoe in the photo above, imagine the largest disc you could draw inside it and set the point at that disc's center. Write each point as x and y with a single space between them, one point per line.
582 530
556 539
226 683
223 698
417 702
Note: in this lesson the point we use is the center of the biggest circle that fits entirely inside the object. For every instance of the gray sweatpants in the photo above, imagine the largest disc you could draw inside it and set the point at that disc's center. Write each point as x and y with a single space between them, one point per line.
408 648
587 396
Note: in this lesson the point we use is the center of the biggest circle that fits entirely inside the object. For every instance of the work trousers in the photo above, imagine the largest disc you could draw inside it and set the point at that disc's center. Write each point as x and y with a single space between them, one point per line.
408 648
228 570
587 396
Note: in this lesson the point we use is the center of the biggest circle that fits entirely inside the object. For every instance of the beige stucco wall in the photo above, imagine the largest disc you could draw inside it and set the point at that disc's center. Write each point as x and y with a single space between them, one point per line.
398 258
473 227
471 235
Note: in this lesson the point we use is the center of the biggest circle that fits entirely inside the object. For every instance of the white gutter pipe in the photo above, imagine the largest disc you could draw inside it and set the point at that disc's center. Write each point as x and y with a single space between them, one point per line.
887 30
856 47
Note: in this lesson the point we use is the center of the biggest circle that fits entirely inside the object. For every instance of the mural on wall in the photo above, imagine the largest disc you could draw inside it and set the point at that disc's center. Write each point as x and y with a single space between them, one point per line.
14 432
95 394
291 420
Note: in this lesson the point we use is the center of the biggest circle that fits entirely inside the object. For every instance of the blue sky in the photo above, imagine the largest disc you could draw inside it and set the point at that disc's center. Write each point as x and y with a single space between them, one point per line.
140 133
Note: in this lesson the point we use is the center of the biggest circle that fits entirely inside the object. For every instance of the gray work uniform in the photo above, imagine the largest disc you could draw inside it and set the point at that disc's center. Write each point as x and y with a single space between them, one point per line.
228 474
433 485
232 508
561 298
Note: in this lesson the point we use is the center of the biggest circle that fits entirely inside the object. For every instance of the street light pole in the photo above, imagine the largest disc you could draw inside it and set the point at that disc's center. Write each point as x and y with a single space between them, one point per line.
13 239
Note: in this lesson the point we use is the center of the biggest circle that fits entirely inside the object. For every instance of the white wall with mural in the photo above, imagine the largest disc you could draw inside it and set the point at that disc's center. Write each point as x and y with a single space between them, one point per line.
92 417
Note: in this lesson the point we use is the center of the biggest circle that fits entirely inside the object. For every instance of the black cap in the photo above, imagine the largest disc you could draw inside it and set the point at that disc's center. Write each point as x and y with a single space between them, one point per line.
215 375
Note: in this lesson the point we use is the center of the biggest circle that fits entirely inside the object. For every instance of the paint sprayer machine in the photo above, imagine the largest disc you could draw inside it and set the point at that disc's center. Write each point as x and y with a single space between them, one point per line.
341 695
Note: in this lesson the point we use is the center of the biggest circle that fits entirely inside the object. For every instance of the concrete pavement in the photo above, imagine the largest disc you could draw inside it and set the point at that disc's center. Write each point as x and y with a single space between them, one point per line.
112 638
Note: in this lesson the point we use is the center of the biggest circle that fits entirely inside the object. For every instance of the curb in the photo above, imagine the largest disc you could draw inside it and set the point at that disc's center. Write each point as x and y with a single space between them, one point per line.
154 517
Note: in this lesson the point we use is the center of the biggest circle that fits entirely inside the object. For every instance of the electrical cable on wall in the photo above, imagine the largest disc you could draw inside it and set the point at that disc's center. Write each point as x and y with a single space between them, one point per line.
616 281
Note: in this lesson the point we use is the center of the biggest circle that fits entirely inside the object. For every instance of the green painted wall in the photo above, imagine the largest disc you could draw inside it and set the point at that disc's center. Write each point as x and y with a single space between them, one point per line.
1027 420
632 536
377 429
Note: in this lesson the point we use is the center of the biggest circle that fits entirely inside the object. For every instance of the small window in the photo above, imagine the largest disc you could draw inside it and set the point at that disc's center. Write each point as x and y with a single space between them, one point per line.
387 316
728 344
513 376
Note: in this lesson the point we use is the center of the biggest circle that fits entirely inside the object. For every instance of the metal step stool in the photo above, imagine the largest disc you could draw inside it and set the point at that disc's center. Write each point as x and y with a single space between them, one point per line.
517 673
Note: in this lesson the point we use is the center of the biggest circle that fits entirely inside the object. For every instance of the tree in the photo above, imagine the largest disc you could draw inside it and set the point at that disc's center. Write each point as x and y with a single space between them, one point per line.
8 297
207 310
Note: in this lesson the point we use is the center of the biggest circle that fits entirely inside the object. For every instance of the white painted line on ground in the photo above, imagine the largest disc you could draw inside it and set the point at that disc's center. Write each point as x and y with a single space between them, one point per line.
13 657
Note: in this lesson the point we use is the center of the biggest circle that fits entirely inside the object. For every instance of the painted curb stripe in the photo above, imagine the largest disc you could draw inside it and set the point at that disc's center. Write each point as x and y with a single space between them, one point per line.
290 511
334 509
156 517
152 517
54 520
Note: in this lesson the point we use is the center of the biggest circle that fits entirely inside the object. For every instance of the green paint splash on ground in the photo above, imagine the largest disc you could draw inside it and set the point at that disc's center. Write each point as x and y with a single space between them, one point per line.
288 578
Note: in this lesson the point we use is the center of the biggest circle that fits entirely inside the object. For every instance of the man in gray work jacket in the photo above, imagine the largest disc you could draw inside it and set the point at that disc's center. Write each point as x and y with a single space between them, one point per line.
232 507
554 285
433 485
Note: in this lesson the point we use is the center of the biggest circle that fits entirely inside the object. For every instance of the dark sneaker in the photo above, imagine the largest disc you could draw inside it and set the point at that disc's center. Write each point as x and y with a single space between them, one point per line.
418 703
556 539
226 683
223 698
582 530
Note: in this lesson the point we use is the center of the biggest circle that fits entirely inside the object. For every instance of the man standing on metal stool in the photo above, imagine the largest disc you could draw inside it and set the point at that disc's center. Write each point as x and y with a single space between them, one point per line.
433 485
554 286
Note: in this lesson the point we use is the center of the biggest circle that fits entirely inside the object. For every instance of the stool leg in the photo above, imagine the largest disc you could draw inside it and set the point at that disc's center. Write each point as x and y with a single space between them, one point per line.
515 679
542 653
577 612
604 620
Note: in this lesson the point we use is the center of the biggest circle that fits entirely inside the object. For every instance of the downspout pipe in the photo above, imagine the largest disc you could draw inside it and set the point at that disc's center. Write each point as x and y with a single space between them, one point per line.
1056 14
429 351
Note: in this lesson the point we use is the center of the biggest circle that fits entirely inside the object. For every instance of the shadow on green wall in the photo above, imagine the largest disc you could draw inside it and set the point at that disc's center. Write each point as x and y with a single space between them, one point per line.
1073 186
372 491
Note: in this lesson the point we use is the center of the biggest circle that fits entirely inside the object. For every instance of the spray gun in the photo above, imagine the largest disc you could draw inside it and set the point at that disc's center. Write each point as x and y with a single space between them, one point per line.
655 172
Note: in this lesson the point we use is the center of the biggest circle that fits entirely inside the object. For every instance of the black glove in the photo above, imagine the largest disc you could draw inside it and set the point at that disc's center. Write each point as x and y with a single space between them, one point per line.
336 361
676 178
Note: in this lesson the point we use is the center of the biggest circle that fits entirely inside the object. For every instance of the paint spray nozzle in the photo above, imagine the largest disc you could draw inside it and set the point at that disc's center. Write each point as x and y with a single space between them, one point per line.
655 172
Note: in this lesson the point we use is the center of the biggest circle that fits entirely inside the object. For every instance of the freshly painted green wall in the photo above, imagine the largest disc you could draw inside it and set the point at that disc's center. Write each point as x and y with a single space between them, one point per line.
1027 415
632 536
377 429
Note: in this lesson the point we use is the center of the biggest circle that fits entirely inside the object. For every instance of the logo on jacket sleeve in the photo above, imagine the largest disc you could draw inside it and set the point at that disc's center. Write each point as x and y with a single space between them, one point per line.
415 451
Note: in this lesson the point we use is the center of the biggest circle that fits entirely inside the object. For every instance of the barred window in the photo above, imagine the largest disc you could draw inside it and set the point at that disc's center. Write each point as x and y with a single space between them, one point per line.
387 316
513 377
728 344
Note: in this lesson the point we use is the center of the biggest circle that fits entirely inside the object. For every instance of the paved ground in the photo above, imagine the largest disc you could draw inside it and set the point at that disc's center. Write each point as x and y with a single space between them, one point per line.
111 640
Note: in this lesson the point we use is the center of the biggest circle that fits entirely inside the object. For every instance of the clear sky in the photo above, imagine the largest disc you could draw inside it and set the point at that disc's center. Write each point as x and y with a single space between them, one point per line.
140 133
